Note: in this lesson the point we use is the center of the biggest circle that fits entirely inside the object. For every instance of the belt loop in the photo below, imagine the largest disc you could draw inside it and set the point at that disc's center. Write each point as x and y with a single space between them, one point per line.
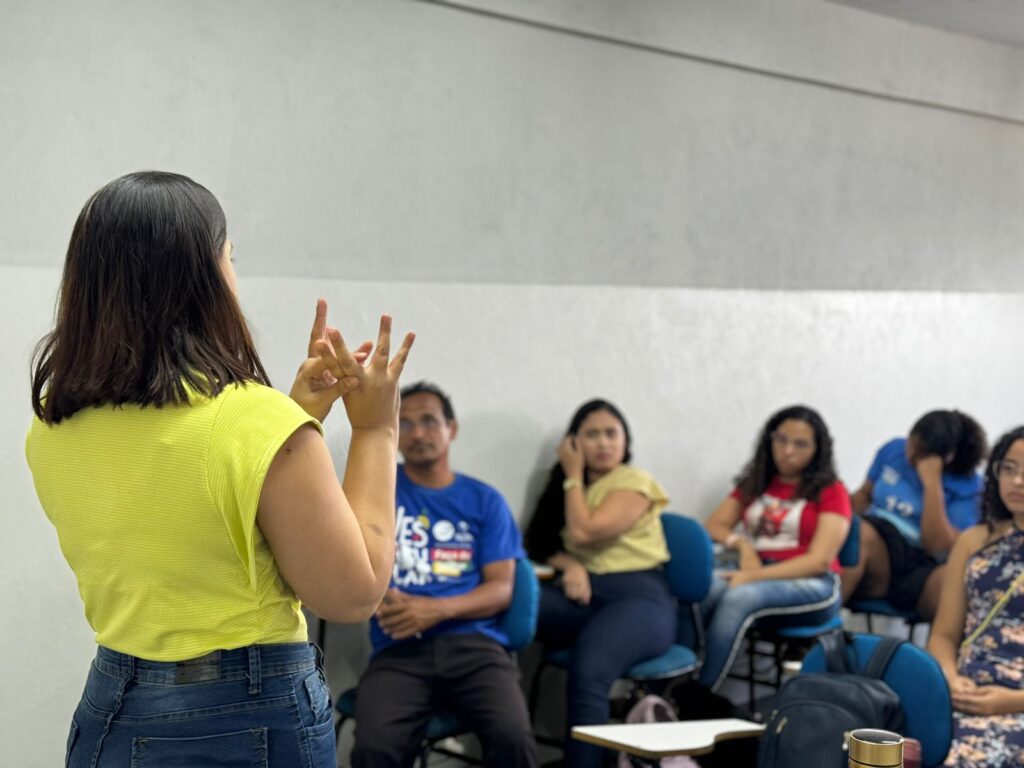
255 674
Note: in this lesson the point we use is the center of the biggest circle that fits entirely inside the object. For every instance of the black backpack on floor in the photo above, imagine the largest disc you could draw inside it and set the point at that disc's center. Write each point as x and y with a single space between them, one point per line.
813 714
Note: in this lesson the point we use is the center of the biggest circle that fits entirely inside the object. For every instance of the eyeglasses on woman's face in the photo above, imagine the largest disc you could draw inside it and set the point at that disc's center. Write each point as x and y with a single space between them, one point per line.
798 443
1006 469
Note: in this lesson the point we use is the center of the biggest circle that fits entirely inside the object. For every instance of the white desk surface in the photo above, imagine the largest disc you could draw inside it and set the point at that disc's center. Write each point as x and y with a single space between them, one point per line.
657 740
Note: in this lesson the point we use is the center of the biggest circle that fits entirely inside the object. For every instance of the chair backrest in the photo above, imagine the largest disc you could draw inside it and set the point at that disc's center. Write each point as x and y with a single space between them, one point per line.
849 555
688 572
519 621
918 680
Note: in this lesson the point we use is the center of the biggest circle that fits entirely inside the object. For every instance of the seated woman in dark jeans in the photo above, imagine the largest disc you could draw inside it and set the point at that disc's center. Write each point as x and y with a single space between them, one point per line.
920 492
598 523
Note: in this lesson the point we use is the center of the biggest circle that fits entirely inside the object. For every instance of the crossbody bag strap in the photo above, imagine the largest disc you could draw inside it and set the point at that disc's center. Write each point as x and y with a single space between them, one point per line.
1000 604
834 645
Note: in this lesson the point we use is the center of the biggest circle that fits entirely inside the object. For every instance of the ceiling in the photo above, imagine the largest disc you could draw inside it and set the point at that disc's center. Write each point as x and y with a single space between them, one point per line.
998 20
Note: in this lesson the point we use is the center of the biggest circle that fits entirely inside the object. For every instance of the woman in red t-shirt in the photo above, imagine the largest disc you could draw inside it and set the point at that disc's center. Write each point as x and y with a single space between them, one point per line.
786 519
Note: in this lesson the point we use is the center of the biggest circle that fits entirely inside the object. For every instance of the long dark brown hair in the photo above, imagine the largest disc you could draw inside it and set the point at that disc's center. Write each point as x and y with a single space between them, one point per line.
816 476
144 312
993 507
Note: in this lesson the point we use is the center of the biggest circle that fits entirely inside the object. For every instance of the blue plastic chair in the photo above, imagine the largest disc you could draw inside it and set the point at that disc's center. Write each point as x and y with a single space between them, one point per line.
878 606
518 622
918 680
688 573
781 631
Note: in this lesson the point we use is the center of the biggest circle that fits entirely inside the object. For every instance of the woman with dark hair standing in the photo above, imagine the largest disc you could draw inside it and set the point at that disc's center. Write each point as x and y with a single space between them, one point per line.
978 633
792 515
598 522
920 492
195 504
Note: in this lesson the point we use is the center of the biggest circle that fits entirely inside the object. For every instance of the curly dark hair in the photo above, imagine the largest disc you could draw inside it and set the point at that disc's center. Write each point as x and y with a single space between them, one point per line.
760 470
543 537
953 434
992 506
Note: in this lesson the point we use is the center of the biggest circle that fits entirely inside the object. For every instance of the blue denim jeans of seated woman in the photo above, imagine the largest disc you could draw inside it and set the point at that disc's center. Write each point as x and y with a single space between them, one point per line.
631 617
265 706
729 612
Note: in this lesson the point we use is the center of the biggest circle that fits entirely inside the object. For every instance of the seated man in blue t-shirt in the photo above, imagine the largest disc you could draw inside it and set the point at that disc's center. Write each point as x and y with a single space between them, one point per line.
436 640
920 493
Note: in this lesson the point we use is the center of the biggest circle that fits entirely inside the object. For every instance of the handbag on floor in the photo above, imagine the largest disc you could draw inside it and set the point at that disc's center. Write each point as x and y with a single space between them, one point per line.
654 709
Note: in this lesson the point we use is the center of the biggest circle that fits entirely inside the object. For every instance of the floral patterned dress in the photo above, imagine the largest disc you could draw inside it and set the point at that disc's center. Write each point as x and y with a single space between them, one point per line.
996 657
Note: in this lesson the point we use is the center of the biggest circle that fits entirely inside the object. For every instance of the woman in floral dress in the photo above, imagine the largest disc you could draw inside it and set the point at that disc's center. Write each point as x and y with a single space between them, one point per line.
978 633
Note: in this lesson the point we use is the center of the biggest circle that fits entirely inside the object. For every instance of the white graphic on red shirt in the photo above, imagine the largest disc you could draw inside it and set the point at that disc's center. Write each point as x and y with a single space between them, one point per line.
774 524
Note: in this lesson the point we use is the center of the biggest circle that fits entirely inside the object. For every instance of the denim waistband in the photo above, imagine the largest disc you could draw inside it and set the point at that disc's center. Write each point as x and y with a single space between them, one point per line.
253 663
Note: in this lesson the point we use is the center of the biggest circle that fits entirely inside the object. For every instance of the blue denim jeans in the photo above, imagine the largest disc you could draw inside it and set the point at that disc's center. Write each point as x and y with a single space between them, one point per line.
631 617
728 614
259 707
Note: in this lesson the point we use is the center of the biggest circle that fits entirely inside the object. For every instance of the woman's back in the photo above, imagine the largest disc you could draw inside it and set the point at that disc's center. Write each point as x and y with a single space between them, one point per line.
156 514
192 501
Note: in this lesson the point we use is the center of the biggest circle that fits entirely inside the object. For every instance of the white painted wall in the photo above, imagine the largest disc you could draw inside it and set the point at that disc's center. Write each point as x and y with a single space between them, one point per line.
696 372
556 217
371 140
814 40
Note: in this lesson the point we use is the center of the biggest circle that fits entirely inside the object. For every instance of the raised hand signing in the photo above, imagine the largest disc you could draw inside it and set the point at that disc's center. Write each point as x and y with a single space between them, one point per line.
365 378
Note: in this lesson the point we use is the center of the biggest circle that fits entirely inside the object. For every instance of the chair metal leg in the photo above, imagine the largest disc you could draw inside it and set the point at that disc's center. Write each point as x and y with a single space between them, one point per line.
750 680
531 707
424 755
535 691
780 653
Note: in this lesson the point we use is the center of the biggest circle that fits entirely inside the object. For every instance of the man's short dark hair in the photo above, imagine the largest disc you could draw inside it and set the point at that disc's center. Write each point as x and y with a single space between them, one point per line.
425 387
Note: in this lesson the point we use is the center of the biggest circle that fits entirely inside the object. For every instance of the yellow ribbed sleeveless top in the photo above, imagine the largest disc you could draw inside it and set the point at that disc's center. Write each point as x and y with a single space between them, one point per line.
155 510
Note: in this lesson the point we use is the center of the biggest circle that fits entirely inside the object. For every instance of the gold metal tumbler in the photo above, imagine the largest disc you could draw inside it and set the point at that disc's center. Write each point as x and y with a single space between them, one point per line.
873 748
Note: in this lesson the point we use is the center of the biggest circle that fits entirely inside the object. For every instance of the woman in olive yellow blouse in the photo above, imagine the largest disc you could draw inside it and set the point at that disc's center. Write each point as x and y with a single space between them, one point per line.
598 523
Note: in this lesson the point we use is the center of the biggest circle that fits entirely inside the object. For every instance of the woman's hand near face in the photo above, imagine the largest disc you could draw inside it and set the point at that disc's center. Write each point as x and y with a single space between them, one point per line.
929 469
570 456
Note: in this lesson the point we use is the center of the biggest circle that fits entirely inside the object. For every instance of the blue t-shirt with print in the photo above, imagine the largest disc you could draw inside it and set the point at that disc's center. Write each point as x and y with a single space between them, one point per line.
444 538
898 496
